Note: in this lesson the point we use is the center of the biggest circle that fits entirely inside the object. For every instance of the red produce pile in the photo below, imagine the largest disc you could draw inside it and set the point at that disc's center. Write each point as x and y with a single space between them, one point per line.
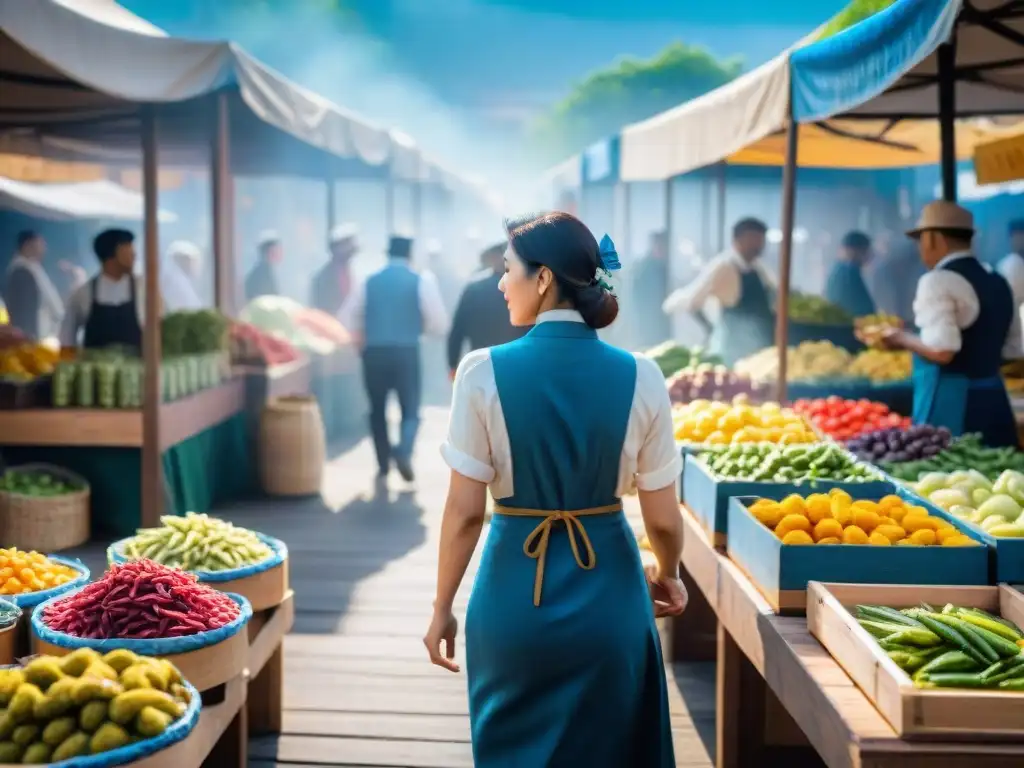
846 419
250 344
141 600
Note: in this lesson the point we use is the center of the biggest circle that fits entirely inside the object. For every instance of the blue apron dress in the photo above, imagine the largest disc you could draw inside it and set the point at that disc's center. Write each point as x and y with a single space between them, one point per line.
113 324
847 288
968 394
747 327
562 654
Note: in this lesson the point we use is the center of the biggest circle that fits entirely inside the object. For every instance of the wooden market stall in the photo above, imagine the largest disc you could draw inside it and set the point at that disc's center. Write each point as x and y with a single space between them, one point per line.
195 103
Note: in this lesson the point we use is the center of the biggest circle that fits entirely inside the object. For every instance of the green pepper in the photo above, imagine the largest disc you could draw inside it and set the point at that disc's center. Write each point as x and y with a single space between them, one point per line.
955 680
912 636
1016 684
886 614
967 631
950 661
990 624
881 629
951 636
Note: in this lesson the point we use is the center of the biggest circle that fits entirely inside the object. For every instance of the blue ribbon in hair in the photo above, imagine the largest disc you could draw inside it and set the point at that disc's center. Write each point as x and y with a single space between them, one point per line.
609 256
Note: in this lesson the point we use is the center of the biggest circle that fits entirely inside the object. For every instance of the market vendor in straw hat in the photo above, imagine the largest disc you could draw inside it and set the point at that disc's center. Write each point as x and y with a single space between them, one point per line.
333 282
968 325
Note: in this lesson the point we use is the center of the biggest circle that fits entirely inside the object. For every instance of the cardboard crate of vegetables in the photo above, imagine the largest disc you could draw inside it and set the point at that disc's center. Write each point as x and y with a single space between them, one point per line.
993 509
228 558
152 610
938 662
92 710
711 478
838 537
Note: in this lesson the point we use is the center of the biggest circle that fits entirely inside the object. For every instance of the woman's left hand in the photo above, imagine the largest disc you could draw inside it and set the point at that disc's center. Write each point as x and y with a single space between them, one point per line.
443 628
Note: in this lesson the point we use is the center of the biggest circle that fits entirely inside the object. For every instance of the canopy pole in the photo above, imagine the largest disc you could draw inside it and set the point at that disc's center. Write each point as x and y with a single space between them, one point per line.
627 219
723 188
332 201
152 465
947 117
786 255
389 209
223 212
417 209
669 205
705 216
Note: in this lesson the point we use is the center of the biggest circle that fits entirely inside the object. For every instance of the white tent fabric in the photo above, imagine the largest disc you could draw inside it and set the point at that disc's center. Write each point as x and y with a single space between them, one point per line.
710 127
86 200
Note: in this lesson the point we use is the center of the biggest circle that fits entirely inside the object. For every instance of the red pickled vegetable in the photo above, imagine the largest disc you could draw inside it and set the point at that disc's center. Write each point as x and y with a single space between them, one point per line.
141 599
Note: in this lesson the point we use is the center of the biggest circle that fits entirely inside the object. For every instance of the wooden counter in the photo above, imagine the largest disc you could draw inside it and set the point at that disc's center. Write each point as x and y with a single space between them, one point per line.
758 649
117 428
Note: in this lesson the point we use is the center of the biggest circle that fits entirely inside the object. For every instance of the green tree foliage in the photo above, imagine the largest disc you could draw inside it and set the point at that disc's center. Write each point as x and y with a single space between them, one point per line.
854 13
628 91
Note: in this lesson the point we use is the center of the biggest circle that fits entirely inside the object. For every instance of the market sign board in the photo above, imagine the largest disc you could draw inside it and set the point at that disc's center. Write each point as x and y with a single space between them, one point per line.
1000 161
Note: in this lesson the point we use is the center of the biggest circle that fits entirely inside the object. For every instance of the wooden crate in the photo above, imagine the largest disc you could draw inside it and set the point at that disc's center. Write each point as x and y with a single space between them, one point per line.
914 713
781 572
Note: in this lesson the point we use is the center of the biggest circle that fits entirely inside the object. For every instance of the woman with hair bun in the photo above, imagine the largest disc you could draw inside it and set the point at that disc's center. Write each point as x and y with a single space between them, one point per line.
562 654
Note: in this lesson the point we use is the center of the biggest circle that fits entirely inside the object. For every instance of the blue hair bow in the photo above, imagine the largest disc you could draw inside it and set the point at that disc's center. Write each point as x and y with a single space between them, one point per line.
609 256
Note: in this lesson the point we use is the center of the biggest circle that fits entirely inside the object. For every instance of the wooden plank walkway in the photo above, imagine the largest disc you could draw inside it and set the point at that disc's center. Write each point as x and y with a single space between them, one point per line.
359 690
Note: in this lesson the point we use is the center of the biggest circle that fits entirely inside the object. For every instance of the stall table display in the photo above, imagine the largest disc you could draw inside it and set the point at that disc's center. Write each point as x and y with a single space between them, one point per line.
759 651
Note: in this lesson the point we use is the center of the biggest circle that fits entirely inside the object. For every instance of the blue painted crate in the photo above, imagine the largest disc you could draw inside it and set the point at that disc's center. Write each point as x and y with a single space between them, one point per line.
1006 554
708 498
781 572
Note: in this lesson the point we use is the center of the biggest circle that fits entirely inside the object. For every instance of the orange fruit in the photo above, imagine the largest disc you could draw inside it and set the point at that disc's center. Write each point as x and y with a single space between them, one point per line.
854 535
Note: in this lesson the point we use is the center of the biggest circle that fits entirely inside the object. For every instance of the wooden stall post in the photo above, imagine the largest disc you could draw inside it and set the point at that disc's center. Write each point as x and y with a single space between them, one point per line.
223 213
723 188
947 117
152 459
786 254
332 202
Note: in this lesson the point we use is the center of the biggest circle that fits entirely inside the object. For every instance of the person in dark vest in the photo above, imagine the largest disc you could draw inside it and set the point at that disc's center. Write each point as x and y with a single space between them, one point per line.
108 310
481 316
742 288
332 284
846 286
389 313
968 325
262 279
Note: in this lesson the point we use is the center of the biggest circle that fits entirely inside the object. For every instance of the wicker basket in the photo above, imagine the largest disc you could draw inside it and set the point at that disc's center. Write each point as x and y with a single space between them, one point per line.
293 447
45 523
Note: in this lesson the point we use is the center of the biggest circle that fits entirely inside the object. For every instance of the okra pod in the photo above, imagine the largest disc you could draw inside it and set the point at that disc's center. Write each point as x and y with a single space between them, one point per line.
952 637
956 680
995 627
967 630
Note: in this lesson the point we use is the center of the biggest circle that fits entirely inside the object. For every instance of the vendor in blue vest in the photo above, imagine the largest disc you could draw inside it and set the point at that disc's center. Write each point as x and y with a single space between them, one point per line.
968 325
846 286
389 313
741 287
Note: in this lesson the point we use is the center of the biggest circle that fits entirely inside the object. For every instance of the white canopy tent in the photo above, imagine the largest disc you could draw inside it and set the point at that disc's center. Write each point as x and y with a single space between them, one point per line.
68 202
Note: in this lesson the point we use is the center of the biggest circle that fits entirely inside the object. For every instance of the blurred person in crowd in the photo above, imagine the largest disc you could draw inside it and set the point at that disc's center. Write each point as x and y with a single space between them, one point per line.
967 325
1012 265
179 272
649 288
741 287
109 309
333 282
447 281
70 277
33 301
846 286
389 313
481 316
262 280
894 279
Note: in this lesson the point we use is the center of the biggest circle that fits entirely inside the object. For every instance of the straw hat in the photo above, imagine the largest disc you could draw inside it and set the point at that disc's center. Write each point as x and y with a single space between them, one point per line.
943 214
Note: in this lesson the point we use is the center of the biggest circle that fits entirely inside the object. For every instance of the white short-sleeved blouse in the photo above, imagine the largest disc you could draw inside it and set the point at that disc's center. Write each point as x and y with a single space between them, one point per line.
478 444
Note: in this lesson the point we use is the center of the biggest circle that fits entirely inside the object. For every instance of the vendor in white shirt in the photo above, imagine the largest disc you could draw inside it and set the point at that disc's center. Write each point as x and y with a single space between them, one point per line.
741 286
1012 266
963 339
108 309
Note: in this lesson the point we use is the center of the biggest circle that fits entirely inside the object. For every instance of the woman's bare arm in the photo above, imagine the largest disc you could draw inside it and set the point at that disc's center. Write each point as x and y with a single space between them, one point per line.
664 526
460 531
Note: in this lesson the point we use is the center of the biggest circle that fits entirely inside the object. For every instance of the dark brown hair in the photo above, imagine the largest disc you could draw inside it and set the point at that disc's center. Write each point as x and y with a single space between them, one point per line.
563 244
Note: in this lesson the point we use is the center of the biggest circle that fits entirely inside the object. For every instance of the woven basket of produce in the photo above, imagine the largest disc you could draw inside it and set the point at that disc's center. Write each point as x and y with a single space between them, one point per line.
292 446
228 558
151 610
87 710
43 507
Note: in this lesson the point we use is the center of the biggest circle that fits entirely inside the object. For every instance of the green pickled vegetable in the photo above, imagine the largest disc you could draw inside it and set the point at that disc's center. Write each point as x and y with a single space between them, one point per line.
198 543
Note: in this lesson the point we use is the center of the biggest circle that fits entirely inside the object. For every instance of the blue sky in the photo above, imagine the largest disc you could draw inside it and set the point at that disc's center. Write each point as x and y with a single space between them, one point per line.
485 51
